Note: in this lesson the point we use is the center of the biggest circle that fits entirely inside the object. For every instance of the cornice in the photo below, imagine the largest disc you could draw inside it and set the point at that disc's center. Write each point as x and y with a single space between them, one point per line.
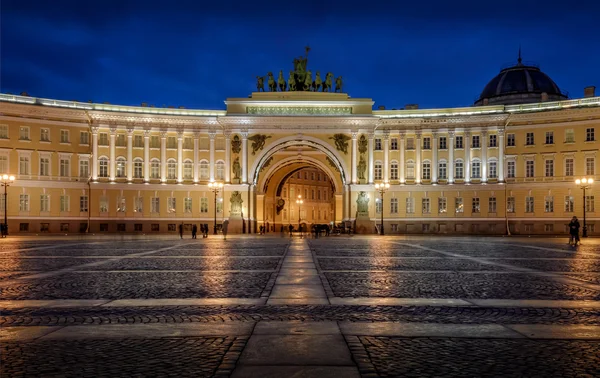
43 112
295 123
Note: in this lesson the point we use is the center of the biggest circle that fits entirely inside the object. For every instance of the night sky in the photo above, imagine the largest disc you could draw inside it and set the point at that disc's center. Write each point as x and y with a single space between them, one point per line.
435 53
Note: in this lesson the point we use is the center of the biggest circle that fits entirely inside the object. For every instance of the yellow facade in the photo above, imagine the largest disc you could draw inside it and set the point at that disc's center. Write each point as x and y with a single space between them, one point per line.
143 169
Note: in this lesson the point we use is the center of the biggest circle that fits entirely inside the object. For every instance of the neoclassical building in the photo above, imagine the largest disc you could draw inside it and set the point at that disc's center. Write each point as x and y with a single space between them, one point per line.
506 164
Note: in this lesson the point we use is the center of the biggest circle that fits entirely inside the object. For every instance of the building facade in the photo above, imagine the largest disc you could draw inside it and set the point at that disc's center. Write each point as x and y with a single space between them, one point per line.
485 169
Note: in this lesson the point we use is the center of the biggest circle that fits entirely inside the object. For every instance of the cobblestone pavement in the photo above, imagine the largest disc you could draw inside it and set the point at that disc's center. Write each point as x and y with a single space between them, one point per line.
447 357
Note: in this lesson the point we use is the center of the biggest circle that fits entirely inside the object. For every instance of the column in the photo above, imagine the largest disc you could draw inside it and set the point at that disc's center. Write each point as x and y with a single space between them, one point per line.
163 156
450 166
244 156
113 163
500 155
147 156
354 156
129 154
95 153
371 162
484 142
211 164
418 158
196 137
180 156
401 162
434 158
386 157
227 135
467 164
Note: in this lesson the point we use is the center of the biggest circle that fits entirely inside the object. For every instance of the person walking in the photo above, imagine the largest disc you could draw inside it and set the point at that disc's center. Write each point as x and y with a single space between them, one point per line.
205 230
224 228
194 231
574 231
291 228
181 230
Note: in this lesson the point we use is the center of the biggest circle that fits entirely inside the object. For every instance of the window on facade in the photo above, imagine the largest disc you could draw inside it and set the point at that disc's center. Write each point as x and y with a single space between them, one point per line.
442 205
458 142
569 204
410 143
187 205
24 165
476 169
121 205
475 205
154 141
589 203
549 137
65 203
318 194
65 168
569 136
590 168
442 170
426 171
220 170
120 167
443 143
493 169
394 170
378 206
529 168
378 171
425 206
103 167
510 140
394 206
171 169
204 170
24 133
24 202
459 205
427 143
410 169
171 204
459 171
529 141
83 204
138 168
549 168
64 136
45 135
187 170
155 205
120 140
569 170
510 204
188 143
44 203
410 205
138 141
3 164
529 204
204 205
475 140
171 142
103 139
393 144
493 140
103 204
84 137
84 168
155 169
549 204
44 166
138 205
589 134
377 144
492 205
510 169
3 131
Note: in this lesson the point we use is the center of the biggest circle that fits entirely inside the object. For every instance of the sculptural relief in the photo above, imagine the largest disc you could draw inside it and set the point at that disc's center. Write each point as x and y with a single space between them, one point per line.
236 203
236 144
362 203
258 142
341 142
361 168
237 168
363 144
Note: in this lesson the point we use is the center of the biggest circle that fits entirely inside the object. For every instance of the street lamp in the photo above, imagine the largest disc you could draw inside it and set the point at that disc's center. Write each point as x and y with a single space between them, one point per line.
215 187
381 188
299 202
584 183
6 181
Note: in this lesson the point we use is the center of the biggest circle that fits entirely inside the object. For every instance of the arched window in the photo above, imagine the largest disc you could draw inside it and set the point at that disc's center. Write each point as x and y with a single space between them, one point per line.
138 168
204 170
220 170
459 169
410 169
442 169
378 170
171 169
394 170
493 168
103 167
187 169
476 169
155 168
121 167
426 173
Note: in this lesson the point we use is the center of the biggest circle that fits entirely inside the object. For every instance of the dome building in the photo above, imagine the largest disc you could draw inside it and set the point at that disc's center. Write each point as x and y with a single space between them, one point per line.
520 84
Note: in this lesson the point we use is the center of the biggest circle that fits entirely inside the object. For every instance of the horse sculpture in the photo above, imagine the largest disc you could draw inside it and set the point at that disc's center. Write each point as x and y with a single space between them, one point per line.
338 84
317 83
272 85
292 81
281 82
308 81
327 85
260 83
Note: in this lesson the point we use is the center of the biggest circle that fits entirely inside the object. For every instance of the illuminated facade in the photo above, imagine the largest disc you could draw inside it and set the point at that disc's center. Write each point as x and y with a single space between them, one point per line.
474 170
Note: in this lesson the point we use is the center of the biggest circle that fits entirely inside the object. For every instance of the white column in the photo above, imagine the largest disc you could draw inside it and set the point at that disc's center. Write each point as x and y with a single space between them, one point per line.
401 163
196 136
354 156
113 163
450 166
434 158
371 162
244 157
163 156
147 156
180 156
467 165
484 142
211 164
418 158
501 155
94 153
227 156
386 157
129 154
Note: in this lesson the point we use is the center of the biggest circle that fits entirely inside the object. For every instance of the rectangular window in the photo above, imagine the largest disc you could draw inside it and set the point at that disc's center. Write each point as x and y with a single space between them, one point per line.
84 137
590 166
569 136
220 205
24 133
549 168
155 227
529 141
103 139
549 137
103 204
65 203
24 202
120 140
410 205
529 168
23 227
138 205
204 205
510 204
492 205
426 174
378 206
476 169
121 205
64 227
155 205
44 203
425 206
476 207
377 144
493 169
137 227
24 165
442 205
589 134
442 175
569 167
589 203
427 143
549 204
103 227
458 143
44 135
3 131
458 205
44 166
394 206
154 141
138 141
188 143
394 144
171 204
378 171
510 169
64 136
138 168
443 143
410 143
2 203
187 205
84 168
3 164
529 204
155 170
83 204
493 140
510 140
65 170
569 204
475 141
459 172
171 142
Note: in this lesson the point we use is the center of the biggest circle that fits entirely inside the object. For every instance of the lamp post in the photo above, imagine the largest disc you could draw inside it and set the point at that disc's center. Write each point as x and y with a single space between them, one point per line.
299 202
584 183
215 187
6 181
381 188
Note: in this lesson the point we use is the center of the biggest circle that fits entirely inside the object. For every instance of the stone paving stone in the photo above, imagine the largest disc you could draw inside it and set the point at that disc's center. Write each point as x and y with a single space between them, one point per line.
213 263
40 264
449 357
296 372
377 263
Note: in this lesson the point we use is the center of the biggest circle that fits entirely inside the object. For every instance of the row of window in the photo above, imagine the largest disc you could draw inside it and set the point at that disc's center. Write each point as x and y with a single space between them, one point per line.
138 165
25 134
312 193
313 176
315 215
121 227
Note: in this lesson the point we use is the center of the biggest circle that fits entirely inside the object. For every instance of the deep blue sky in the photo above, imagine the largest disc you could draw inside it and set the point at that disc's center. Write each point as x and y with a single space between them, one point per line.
436 53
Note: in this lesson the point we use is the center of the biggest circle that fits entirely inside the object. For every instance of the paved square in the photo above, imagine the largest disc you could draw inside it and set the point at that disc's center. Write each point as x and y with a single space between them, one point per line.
271 306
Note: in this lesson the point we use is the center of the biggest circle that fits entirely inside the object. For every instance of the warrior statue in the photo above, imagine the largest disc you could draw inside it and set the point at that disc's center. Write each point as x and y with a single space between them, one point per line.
260 83
272 86
281 82
338 84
